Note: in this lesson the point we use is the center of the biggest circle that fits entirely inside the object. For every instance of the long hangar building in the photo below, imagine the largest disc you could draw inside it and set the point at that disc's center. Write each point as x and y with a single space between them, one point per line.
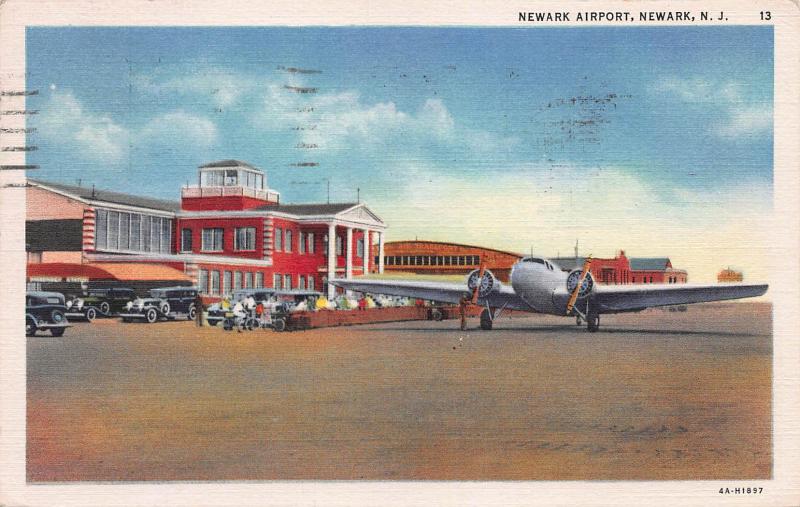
230 231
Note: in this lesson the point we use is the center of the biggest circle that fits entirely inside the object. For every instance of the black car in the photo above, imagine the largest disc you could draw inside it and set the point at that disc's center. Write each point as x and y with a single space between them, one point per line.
106 302
45 311
163 303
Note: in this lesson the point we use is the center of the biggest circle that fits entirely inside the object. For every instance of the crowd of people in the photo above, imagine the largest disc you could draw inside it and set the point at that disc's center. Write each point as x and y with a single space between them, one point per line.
262 312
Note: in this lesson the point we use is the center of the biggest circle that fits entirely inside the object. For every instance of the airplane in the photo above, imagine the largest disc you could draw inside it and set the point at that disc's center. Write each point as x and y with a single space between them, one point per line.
540 286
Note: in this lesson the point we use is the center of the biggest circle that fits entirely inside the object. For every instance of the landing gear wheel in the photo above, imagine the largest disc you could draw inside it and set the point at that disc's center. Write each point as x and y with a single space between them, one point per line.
151 315
593 322
105 308
91 314
279 325
486 320
30 326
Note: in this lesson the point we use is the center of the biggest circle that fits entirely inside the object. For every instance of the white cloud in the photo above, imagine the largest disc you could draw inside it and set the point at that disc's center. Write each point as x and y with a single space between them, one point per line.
741 115
179 127
747 121
219 86
98 137
64 120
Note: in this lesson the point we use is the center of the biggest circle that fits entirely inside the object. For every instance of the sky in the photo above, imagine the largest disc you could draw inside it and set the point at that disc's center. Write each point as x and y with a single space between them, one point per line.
657 141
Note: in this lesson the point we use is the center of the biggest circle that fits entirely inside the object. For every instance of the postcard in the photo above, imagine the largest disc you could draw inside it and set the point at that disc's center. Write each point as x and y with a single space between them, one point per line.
491 254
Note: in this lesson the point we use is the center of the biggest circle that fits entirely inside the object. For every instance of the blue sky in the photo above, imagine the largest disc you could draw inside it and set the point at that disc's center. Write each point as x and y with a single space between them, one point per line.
466 134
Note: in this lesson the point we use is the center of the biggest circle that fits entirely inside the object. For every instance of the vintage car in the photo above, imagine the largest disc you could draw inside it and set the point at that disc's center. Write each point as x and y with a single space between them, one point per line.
77 309
45 311
100 302
164 303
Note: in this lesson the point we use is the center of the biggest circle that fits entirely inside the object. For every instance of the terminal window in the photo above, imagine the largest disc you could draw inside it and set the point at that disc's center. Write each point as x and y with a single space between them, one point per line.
212 239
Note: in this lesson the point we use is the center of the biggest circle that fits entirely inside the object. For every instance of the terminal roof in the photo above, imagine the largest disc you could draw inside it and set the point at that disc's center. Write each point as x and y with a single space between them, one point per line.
309 209
649 263
91 194
229 163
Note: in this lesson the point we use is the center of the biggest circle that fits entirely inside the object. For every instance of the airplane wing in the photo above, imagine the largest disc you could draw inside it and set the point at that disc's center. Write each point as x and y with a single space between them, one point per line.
622 298
443 292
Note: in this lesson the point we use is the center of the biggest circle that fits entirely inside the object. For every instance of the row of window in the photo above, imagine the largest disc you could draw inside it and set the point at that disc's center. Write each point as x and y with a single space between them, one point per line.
244 239
431 260
218 282
212 239
132 232
284 241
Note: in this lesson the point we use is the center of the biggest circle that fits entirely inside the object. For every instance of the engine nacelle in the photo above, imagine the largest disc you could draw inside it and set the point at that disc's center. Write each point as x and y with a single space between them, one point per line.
488 284
586 286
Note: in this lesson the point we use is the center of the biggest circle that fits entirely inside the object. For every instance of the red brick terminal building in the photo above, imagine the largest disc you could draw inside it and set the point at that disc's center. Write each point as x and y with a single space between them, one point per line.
230 231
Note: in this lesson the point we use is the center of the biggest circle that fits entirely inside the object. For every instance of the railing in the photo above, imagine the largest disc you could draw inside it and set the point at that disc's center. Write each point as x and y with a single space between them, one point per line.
265 195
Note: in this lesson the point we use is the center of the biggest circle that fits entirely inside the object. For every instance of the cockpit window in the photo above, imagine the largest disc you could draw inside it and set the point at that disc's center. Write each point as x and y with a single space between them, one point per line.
533 259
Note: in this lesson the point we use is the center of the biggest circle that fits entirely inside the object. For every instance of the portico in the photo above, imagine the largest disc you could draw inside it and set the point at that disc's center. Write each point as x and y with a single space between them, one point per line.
350 242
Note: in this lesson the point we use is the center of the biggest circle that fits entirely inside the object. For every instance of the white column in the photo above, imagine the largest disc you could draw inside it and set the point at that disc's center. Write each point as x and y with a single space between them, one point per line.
380 252
365 265
348 266
331 259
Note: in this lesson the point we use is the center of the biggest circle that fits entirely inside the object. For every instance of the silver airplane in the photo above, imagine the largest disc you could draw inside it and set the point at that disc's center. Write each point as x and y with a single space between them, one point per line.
539 286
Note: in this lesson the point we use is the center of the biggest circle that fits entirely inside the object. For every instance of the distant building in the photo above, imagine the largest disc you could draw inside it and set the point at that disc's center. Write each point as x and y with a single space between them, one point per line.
729 275
624 270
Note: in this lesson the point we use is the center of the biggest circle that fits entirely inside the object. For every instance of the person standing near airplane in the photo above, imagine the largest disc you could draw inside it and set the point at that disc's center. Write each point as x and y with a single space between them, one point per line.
462 309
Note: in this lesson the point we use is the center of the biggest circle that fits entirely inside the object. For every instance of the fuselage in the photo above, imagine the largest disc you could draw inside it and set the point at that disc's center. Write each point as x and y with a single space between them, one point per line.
536 280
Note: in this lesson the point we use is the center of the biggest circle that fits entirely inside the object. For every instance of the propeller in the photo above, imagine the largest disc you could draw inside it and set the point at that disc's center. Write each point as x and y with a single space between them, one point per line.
477 288
574 296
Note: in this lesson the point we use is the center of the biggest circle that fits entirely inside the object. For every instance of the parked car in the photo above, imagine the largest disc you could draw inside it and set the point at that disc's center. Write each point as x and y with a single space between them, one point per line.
45 311
164 303
106 302
77 309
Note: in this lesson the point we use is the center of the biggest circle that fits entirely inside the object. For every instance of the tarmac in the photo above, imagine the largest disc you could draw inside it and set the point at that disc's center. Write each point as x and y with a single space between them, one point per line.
652 396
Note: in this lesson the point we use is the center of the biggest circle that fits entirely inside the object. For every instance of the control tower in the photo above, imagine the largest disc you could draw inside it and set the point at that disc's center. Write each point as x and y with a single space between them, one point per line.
228 185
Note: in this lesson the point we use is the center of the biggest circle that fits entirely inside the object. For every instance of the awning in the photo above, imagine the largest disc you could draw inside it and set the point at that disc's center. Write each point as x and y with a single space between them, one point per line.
120 271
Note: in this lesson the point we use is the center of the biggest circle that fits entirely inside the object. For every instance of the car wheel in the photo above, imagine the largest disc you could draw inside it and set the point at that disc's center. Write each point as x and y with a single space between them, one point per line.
126 320
30 326
437 315
105 308
227 324
192 313
151 315
91 314
57 316
279 325
165 309
57 331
